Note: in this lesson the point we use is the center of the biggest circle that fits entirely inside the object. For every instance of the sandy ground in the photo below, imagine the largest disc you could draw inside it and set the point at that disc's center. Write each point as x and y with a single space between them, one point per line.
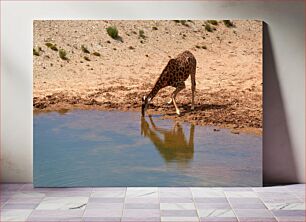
229 69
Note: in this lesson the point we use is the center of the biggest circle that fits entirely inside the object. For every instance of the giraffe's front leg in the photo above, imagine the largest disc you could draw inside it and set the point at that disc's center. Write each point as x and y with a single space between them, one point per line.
179 88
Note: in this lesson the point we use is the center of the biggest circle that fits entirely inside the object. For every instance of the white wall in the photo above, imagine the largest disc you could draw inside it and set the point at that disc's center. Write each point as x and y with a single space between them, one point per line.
284 77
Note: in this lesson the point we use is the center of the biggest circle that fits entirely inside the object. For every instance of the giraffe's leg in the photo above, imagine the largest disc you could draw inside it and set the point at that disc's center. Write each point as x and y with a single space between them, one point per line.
180 87
193 88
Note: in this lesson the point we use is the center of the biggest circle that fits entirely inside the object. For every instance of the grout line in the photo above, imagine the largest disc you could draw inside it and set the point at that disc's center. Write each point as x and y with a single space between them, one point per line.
266 206
297 196
123 207
194 203
38 203
92 190
158 197
231 205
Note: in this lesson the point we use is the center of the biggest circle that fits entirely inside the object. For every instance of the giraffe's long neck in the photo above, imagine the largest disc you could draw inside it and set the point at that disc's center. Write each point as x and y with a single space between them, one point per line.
155 90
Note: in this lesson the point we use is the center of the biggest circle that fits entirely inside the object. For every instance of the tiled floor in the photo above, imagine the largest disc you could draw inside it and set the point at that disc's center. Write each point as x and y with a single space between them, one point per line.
21 202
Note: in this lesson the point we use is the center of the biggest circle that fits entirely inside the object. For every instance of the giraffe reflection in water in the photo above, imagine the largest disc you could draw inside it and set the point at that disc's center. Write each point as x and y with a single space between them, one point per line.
171 143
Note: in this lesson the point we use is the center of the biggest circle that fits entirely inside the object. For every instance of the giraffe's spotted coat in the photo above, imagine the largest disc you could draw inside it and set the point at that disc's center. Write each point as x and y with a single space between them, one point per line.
175 74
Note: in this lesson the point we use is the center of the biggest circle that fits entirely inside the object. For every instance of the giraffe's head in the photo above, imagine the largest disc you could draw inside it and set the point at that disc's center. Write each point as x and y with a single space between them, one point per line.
144 104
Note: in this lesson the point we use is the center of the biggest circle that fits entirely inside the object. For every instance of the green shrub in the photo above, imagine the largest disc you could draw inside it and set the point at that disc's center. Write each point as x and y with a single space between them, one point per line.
35 52
96 54
48 44
84 49
154 28
141 34
228 23
213 22
112 31
62 54
208 27
201 47
131 47
86 58
51 46
184 22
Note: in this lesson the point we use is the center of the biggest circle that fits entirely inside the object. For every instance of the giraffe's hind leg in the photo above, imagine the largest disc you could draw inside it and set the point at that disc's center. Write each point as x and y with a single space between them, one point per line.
193 88
180 86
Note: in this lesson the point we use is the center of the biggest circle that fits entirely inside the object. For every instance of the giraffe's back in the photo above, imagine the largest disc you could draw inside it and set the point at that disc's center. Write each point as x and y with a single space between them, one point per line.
179 69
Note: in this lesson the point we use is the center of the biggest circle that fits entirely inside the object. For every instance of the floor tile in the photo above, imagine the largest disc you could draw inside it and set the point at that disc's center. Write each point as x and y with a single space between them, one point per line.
272 197
289 213
224 205
278 189
55 219
67 193
179 219
177 206
20 206
240 194
62 203
56 213
248 206
256 219
253 213
178 213
210 200
101 219
216 213
142 213
295 187
142 200
22 194
219 219
244 200
105 200
10 186
207 192
18 200
109 189
110 193
238 189
291 219
103 212
14 214
175 192
176 200
140 219
141 206
109 206
284 203
285 206
141 192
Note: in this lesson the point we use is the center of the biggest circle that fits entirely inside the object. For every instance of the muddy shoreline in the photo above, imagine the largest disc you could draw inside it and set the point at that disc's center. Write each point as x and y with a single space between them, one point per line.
219 110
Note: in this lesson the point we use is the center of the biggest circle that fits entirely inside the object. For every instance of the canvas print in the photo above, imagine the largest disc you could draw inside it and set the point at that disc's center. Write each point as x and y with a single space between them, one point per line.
147 103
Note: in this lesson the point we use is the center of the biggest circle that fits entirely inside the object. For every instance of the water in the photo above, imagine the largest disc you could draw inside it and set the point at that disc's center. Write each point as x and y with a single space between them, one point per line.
95 148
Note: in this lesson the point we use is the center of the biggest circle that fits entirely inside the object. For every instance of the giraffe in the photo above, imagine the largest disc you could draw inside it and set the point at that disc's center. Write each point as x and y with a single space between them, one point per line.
172 144
174 74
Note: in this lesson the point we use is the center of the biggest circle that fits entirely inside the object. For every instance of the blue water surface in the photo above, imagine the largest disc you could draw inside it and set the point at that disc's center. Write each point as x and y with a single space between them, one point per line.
101 148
